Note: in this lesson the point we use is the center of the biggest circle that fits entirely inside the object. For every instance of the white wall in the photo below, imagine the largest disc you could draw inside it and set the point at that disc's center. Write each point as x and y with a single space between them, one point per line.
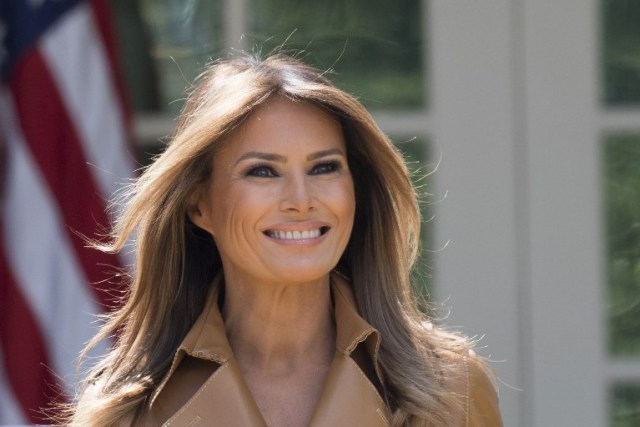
514 114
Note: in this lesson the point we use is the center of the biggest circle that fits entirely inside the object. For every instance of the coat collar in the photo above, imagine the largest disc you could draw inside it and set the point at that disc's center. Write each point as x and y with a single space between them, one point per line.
207 341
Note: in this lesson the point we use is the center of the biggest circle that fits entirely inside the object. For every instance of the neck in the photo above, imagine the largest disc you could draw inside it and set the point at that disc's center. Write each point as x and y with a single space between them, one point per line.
277 329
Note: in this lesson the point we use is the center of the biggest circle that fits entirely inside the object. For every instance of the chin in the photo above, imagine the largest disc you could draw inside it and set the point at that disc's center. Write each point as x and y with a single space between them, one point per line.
301 274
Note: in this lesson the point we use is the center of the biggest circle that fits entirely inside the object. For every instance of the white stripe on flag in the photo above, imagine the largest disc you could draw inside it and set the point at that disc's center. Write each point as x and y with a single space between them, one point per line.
78 63
41 256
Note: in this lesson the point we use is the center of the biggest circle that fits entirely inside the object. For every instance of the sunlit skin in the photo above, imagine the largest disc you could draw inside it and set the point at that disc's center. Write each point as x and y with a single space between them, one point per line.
280 206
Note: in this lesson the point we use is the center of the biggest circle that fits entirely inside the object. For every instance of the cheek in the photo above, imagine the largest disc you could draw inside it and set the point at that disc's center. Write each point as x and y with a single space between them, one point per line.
343 200
349 194
233 209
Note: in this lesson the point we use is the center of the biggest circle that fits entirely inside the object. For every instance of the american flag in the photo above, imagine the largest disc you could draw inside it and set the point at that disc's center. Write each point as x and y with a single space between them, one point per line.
64 151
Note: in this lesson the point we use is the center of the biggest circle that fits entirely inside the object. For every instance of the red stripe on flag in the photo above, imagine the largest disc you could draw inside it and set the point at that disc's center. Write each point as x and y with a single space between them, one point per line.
56 148
25 356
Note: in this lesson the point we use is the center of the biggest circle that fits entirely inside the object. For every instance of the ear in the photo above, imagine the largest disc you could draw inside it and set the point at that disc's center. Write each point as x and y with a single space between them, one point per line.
197 211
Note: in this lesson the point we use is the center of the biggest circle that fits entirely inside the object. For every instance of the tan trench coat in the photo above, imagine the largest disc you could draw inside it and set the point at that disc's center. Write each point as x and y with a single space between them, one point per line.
205 388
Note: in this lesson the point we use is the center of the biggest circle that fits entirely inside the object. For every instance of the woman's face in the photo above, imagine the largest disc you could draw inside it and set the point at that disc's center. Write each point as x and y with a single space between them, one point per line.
280 203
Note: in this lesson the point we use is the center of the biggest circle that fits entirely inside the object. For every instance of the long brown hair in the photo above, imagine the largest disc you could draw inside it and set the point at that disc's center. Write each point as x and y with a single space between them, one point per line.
175 261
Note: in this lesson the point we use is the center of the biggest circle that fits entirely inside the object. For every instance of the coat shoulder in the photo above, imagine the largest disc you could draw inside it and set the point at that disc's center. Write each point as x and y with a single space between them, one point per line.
473 382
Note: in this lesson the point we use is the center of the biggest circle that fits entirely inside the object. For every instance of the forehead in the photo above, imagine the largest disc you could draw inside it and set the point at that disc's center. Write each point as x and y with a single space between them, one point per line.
281 124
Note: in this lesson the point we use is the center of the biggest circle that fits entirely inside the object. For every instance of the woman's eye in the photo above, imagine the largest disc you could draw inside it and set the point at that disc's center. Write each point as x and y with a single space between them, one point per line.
324 168
262 172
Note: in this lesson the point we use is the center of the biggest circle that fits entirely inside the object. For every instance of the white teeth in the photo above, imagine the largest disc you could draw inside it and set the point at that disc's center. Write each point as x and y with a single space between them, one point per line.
295 235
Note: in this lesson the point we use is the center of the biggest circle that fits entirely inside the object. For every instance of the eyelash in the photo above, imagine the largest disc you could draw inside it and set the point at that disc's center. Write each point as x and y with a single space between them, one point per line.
257 171
267 171
333 165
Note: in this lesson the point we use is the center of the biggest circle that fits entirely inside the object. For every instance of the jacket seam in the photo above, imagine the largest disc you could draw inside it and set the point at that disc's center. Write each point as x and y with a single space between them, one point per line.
359 339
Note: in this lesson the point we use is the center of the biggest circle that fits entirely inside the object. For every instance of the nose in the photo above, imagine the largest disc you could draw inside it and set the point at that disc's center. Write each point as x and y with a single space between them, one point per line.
297 194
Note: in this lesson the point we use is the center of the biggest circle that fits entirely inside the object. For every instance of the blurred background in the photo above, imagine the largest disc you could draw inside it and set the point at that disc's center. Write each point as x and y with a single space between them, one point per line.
521 119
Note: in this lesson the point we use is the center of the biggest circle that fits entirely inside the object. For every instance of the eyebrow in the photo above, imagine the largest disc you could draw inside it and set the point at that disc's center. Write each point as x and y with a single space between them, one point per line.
262 156
282 159
324 153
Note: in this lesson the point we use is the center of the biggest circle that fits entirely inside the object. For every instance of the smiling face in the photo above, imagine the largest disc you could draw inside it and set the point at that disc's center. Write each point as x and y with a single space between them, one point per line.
280 202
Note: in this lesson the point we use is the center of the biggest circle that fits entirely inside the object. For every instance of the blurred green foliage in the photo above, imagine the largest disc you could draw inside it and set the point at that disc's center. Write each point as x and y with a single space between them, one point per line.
620 58
372 49
163 45
625 405
621 52
622 204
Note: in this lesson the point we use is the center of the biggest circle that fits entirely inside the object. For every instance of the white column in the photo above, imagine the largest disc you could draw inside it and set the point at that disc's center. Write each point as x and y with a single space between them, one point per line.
478 273
566 292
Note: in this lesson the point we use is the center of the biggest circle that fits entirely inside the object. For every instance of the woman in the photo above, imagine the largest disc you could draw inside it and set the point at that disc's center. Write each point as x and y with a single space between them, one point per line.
274 241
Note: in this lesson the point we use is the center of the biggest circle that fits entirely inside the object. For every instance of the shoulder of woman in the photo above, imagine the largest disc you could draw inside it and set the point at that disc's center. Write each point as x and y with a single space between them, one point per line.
474 382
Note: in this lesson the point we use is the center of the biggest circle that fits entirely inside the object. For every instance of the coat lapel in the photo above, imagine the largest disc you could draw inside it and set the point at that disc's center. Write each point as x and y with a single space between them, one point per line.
223 400
349 398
